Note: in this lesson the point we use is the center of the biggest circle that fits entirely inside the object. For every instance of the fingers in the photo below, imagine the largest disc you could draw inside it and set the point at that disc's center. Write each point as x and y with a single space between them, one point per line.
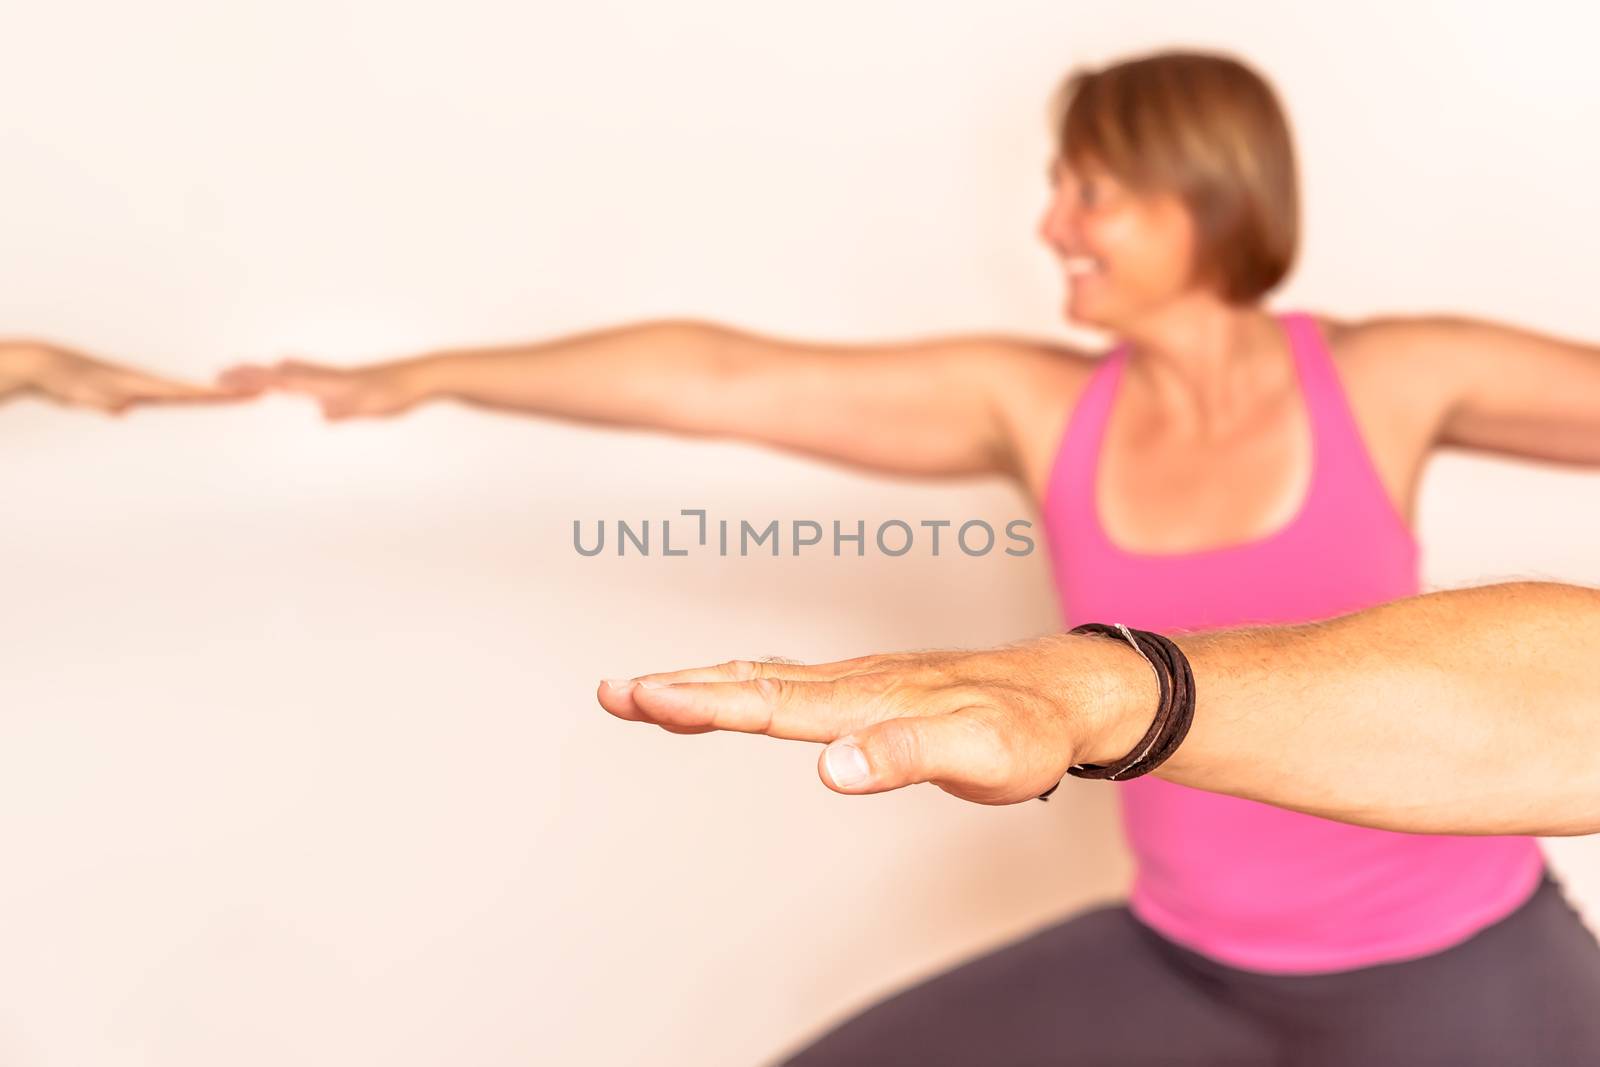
341 392
312 379
246 378
791 709
615 695
797 701
874 752
138 387
288 374
892 721
80 380
741 670
958 751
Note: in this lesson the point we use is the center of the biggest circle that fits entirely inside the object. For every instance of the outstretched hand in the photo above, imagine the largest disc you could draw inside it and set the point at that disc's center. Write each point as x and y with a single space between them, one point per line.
342 392
78 380
993 727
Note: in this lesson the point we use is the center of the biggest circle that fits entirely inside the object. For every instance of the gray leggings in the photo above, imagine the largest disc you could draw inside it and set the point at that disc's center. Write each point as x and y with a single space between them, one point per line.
1102 988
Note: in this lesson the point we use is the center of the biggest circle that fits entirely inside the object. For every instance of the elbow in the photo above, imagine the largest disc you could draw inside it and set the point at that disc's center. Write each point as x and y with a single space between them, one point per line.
710 348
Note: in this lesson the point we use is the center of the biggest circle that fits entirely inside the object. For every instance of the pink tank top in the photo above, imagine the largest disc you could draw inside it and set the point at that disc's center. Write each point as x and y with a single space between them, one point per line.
1250 885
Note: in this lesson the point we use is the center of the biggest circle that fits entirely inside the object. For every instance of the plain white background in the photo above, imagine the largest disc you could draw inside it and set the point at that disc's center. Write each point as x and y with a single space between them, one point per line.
299 757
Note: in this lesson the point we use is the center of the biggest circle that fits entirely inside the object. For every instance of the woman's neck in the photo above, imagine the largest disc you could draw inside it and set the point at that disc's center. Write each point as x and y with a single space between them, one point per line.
1202 361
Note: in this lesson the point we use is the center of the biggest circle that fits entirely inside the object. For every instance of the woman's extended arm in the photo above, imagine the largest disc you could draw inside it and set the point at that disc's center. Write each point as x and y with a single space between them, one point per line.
1474 711
1486 386
942 406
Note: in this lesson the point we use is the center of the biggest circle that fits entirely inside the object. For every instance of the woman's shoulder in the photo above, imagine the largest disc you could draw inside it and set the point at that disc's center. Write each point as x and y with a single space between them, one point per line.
1387 371
1036 364
1043 382
1036 395
1392 340
1392 355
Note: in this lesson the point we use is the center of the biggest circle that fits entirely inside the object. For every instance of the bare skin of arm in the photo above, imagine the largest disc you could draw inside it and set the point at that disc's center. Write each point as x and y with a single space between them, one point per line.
973 404
1424 382
1473 711
1470 711
943 406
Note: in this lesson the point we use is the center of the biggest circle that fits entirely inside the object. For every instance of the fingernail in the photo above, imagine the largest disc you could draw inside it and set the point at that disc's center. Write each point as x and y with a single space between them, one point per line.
652 685
621 685
846 765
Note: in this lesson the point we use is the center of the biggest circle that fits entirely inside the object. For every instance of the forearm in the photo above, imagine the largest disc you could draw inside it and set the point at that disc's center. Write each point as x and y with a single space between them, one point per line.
1471 711
665 374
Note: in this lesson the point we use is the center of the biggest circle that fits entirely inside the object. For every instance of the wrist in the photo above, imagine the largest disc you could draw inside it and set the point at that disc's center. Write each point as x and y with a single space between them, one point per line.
1117 699
423 378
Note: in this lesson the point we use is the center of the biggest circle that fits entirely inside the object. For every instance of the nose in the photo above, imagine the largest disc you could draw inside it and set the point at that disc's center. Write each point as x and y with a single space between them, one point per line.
1055 224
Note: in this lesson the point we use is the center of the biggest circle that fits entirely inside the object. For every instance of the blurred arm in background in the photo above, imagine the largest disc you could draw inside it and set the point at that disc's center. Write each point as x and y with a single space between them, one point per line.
943 406
1466 383
961 405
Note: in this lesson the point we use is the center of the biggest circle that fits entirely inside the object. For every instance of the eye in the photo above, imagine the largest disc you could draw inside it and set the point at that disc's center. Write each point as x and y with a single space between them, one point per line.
1088 192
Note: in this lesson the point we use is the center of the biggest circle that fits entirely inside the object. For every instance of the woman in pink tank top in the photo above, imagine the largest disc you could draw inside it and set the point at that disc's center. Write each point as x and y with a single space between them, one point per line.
1250 885
1221 465
1256 935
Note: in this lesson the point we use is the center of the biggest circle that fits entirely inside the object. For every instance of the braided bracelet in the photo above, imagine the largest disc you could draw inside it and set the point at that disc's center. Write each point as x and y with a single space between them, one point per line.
1174 707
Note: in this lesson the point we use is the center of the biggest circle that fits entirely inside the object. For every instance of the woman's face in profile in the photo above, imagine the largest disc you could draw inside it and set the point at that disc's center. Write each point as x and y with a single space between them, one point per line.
1125 253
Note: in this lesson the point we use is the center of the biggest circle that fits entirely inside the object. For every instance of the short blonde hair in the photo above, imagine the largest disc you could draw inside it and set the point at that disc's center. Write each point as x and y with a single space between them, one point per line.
1208 129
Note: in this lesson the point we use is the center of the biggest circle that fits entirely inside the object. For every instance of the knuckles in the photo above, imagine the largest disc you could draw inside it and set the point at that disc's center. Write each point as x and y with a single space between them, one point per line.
740 670
771 690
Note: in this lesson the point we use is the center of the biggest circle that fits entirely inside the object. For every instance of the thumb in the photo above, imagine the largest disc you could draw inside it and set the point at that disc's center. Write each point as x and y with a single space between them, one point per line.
959 753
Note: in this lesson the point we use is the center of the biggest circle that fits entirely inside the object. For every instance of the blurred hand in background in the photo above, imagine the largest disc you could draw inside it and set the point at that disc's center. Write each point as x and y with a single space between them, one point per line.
342 392
74 379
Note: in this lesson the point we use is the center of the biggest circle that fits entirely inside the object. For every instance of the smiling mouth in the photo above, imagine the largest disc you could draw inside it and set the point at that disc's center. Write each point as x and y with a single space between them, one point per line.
1079 266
